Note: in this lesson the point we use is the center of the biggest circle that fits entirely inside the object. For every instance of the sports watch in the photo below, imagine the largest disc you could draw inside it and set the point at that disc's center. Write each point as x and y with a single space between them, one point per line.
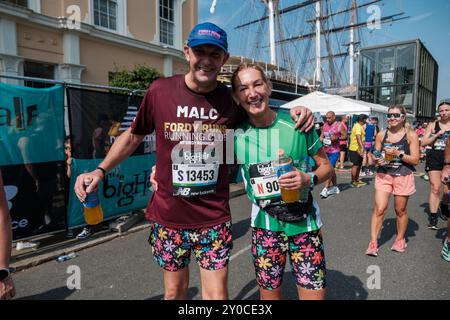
314 180
4 274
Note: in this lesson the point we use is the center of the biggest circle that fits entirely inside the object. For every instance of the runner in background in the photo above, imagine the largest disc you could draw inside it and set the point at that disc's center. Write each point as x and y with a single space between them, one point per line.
435 136
331 133
356 150
445 175
367 163
343 142
397 154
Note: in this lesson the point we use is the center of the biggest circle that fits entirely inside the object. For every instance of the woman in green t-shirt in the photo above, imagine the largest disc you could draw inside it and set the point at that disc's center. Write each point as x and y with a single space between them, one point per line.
279 228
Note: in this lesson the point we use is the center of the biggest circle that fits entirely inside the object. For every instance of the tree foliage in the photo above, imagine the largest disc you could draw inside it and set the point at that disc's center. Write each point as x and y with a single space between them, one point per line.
140 78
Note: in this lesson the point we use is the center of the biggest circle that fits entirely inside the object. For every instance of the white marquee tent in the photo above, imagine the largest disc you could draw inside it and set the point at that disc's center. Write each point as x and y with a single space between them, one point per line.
322 102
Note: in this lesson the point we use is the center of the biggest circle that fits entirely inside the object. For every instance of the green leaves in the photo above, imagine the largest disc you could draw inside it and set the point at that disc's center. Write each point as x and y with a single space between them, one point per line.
140 78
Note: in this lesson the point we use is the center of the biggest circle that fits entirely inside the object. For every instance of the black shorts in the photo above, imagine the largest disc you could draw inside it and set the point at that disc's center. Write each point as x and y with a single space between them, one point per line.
355 158
435 160
343 147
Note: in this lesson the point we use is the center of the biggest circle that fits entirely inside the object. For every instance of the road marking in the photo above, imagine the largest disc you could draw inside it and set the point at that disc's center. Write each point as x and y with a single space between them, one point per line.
240 252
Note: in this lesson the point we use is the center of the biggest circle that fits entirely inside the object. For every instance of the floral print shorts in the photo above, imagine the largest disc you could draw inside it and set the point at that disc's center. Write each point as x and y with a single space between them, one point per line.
306 253
172 247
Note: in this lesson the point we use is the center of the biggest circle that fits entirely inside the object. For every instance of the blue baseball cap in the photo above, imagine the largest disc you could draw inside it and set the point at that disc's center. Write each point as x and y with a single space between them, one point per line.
208 33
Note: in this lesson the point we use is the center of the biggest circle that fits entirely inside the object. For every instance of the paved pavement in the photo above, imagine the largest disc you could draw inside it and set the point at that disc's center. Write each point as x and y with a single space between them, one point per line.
123 268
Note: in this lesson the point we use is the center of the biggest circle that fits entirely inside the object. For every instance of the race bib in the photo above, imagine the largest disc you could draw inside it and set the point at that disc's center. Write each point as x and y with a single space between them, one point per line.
192 180
264 183
439 144
326 142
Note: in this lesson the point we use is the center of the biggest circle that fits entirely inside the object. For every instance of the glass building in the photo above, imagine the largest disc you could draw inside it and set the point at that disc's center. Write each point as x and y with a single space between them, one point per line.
400 73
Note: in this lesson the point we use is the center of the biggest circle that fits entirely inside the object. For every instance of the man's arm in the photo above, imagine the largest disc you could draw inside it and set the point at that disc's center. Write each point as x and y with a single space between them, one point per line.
7 289
360 143
343 133
122 148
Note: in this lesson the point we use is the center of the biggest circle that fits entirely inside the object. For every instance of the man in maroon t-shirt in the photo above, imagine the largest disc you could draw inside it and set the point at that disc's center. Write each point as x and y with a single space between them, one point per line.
189 211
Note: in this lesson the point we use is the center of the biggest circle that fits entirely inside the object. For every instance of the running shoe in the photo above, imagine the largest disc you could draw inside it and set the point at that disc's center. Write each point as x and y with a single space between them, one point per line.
333 190
432 222
399 245
26 245
324 192
84 234
355 184
370 173
361 183
372 250
426 177
362 174
446 251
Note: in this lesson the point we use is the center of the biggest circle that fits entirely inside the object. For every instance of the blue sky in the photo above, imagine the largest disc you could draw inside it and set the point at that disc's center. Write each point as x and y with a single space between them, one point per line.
428 21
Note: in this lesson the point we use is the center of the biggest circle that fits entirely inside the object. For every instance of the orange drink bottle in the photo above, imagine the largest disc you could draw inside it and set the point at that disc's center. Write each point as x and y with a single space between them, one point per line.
93 213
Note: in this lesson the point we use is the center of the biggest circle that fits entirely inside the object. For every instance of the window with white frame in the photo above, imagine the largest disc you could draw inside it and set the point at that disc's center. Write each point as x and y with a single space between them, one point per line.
105 14
166 21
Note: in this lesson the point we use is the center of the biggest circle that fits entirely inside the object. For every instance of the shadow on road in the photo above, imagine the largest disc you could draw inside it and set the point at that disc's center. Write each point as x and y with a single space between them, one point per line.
339 287
389 230
240 228
54 294
192 292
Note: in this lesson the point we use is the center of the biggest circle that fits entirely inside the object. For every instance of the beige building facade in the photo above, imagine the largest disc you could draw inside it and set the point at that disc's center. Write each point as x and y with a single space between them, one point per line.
83 41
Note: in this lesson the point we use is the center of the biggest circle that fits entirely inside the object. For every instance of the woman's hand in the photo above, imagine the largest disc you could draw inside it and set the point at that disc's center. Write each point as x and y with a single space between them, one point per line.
392 151
294 180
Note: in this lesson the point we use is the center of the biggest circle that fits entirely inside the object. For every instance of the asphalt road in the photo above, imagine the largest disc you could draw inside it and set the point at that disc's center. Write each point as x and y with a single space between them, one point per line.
124 268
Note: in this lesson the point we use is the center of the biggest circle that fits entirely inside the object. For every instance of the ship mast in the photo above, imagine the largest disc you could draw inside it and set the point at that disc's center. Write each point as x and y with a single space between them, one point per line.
317 72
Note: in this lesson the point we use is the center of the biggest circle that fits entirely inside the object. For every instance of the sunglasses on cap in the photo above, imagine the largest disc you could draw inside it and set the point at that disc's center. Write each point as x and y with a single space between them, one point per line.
391 116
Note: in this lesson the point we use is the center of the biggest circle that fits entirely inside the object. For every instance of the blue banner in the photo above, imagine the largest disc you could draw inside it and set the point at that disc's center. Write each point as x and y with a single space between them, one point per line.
125 189
31 124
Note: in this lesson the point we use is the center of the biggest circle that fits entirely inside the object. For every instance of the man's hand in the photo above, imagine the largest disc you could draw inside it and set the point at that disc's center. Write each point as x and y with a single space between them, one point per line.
80 191
153 179
7 289
303 117
294 180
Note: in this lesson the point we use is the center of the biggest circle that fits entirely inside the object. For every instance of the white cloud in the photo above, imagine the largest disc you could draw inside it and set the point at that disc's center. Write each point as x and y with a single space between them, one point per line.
421 17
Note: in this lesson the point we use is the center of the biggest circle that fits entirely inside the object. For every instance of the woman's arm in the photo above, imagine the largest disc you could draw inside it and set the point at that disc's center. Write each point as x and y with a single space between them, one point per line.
297 179
414 148
429 138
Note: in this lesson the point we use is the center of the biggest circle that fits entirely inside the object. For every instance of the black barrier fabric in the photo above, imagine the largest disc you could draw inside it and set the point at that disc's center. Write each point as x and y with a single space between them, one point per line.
97 119
36 197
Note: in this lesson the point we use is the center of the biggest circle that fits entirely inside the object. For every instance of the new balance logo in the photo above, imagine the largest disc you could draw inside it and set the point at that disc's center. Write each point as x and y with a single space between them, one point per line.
183 191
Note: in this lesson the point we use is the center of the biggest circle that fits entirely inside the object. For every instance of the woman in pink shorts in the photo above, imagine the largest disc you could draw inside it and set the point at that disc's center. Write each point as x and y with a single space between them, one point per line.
396 153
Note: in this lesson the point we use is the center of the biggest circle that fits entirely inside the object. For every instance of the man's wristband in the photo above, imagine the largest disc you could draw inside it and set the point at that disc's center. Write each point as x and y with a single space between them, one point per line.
103 171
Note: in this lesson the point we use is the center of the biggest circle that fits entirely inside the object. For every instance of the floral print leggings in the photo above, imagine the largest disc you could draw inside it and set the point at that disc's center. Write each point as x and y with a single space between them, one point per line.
172 247
306 253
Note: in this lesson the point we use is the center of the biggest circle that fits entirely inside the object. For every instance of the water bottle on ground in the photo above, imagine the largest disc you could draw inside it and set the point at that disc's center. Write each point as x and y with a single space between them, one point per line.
66 257
93 213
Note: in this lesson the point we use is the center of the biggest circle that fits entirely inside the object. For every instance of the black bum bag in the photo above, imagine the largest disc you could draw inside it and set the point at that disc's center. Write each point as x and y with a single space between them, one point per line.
290 212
